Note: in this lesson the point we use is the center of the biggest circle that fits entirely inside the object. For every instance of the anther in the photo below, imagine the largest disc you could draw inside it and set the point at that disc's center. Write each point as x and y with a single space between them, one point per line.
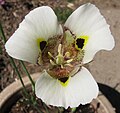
70 65
53 63
51 55
61 66
60 49
67 54
69 61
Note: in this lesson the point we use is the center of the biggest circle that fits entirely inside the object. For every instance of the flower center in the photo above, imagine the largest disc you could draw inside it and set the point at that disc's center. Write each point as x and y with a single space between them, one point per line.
61 58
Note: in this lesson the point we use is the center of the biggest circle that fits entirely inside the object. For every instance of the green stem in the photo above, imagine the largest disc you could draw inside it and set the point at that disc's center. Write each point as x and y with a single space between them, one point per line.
73 110
27 73
2 33
38 109
47 111
16 69
70 110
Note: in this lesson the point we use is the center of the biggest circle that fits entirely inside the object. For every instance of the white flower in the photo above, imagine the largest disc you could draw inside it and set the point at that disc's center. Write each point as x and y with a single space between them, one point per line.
61 53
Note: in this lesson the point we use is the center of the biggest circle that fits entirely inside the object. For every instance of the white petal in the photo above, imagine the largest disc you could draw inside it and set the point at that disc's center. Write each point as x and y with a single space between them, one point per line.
39 23
88 21
81 89
101 40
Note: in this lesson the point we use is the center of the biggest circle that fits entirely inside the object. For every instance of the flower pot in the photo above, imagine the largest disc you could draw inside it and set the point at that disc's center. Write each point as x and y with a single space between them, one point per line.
12 93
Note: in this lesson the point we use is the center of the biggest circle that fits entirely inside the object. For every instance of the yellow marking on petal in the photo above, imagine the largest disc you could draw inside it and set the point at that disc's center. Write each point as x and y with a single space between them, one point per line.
39 40
84 41
66 83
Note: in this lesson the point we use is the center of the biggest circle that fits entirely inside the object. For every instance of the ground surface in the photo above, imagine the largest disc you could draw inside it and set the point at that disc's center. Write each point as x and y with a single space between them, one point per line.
105 67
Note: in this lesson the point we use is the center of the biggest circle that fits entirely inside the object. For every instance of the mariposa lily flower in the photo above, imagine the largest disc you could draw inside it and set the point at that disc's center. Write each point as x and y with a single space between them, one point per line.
62 53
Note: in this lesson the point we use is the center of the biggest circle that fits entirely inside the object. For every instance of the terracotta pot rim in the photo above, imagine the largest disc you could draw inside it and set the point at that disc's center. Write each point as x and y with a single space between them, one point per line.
12 90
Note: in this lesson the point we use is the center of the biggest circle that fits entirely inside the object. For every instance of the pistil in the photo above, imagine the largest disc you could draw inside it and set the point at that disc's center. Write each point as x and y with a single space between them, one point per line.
60 57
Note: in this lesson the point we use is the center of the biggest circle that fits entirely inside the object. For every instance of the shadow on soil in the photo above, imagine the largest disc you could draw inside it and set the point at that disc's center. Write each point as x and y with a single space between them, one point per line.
112 95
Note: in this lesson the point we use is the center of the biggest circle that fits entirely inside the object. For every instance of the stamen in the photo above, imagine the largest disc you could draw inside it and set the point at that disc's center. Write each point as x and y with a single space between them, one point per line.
69 61
59 57
60 49
52 62
67 54
51 55
61 66
68 65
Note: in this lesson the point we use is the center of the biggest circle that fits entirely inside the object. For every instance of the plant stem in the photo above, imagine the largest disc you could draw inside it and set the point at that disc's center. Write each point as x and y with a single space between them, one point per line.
47 111
73 110
2 33
16 69
70 110
27 73
38 109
